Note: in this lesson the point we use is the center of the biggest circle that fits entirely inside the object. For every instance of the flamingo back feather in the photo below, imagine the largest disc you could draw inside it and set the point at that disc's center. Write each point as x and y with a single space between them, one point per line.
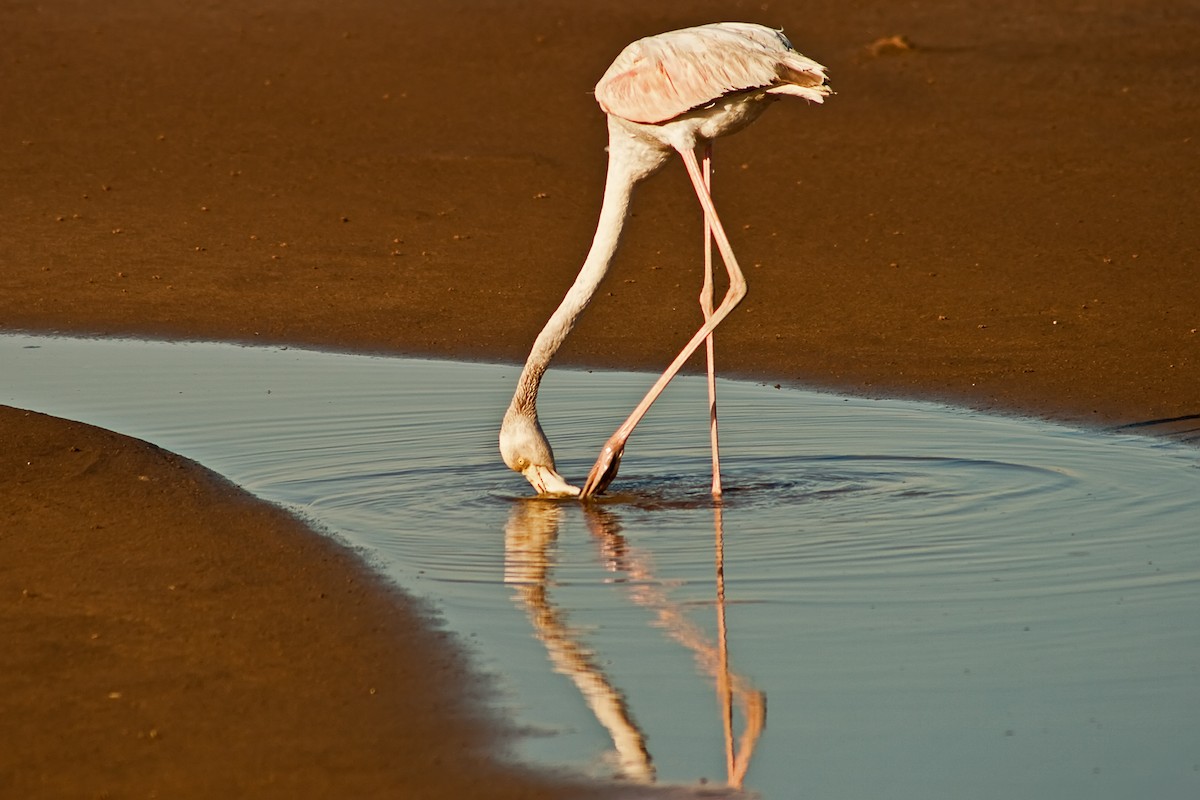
660 77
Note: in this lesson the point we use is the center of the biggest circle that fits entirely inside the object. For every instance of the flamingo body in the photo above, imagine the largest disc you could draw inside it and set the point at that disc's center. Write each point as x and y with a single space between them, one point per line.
664 94
661 77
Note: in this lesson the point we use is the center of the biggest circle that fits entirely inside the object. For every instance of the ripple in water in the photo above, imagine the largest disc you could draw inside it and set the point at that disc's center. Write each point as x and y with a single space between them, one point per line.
931 603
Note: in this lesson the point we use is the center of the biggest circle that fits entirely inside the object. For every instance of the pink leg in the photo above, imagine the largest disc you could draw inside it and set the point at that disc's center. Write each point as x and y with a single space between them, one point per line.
706 306
607 464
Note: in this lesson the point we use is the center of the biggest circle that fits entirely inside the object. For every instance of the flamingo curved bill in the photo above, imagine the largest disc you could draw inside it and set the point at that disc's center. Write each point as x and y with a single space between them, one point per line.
549 483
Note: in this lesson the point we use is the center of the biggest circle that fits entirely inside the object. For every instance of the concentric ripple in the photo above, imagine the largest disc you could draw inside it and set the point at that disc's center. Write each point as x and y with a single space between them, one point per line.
931 603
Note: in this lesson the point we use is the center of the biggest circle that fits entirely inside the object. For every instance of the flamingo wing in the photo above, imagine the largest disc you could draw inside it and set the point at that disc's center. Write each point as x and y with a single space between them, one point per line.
660 77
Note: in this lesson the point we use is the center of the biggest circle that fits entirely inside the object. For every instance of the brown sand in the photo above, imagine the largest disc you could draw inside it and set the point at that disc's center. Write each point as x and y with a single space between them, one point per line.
167 635
997 209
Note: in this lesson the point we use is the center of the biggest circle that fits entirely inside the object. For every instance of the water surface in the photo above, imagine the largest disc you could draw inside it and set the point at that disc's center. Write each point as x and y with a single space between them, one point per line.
913 601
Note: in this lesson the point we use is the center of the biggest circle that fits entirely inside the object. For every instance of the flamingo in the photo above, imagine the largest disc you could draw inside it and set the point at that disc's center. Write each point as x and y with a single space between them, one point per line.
671 93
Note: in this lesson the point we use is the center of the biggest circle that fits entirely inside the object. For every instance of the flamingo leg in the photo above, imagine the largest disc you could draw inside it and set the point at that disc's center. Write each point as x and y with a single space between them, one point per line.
706 307
609 460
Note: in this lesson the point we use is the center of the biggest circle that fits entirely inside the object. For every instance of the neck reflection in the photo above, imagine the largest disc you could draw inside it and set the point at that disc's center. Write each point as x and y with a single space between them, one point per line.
530 536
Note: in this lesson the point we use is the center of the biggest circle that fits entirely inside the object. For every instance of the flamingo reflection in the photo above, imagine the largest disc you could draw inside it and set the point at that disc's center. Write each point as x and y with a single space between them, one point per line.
529 537
530 534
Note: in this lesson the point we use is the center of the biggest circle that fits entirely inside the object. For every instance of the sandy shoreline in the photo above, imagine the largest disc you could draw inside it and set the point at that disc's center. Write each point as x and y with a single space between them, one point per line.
169 634
1000 217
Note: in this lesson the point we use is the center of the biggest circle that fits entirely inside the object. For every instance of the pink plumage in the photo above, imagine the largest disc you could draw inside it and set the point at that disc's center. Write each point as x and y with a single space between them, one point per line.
660 77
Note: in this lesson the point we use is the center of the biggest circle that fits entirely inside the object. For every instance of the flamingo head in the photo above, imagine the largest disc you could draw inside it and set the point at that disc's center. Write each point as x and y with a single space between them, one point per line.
525 449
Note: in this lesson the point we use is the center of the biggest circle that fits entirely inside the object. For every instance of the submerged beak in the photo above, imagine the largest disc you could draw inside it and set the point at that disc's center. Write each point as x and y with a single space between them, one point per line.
548 482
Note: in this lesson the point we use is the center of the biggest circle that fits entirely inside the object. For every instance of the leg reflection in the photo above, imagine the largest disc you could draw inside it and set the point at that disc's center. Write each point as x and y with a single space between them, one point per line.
530 537
752 701
713 658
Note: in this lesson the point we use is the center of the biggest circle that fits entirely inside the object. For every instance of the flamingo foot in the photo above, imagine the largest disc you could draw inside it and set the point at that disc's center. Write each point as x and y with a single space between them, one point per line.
605 468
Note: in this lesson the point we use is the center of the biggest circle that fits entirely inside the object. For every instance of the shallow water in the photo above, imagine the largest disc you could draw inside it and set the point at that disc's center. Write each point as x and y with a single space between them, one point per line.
931 603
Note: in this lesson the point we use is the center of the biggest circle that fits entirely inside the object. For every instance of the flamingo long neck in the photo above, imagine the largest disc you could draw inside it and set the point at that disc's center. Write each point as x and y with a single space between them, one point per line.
629 161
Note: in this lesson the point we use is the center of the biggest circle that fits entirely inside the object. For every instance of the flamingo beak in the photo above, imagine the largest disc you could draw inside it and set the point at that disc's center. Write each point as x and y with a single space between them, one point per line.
548 482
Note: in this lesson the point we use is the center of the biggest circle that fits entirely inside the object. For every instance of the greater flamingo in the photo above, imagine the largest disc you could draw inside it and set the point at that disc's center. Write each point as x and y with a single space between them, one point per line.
675 92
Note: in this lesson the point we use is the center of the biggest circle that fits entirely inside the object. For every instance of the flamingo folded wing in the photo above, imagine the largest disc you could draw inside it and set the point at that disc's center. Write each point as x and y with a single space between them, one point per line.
660 77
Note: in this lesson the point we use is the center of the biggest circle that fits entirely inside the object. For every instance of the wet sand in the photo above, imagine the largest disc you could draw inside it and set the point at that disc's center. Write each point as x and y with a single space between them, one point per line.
995 210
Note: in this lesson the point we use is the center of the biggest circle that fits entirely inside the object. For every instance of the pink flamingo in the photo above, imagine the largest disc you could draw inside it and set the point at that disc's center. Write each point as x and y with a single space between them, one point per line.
675 92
